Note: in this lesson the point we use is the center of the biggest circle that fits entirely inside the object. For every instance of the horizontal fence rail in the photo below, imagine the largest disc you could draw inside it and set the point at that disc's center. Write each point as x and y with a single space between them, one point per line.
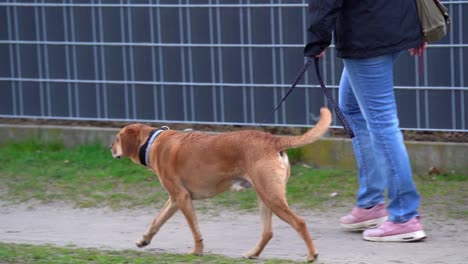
199 61
149 5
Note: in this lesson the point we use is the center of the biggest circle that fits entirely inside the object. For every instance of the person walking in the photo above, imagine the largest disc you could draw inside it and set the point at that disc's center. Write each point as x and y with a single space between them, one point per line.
369 36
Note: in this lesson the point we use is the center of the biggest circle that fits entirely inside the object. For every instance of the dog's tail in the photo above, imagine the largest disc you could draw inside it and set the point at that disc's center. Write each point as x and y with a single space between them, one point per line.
310 136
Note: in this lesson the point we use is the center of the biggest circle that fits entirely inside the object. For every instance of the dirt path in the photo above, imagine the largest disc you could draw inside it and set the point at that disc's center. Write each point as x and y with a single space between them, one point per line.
227 233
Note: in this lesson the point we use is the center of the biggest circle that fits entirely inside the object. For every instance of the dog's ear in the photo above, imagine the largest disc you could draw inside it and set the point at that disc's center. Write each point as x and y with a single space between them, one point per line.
130 141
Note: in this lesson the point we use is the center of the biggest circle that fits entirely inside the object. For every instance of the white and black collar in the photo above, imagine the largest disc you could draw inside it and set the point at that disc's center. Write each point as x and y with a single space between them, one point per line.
144 149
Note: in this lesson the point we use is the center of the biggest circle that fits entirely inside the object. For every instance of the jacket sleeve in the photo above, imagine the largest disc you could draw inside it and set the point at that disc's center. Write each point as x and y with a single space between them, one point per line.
320 23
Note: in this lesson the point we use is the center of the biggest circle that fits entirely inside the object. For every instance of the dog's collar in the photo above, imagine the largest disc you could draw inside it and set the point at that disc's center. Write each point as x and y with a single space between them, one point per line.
144 149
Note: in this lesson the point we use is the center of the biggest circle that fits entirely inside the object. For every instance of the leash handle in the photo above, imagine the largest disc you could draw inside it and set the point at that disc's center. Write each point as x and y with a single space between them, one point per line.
338 112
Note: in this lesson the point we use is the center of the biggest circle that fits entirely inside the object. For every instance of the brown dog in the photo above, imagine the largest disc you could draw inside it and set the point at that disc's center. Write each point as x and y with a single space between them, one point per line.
194 166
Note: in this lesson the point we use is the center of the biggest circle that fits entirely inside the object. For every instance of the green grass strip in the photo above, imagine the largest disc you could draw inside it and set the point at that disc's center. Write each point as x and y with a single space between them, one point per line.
48 254
88 176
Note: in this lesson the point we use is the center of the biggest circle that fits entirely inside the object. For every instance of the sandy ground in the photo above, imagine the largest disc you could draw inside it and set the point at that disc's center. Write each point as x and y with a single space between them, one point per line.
227 233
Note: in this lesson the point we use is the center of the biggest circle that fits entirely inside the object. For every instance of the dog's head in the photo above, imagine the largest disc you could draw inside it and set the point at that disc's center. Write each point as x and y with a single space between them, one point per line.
129 140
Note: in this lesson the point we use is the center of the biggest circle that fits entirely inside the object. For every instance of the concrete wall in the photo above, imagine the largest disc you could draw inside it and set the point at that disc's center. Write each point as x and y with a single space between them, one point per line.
446 157
69 136
326 153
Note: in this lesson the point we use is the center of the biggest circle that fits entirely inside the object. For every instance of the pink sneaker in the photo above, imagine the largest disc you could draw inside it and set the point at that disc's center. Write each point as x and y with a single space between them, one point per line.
361 219
391 232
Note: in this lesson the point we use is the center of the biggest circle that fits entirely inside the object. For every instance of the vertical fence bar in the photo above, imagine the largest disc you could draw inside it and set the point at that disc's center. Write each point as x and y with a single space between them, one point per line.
67 60
190 64
220 61
153 60
161 63
273 59
182 59
281 55
418 94
95 58
103 64
452 77
18 62
251 75
12 61
212 61
39 60
325 76
335 92
243 68
426 96
132 61
306 76
124 60
461 67
46 61
74 59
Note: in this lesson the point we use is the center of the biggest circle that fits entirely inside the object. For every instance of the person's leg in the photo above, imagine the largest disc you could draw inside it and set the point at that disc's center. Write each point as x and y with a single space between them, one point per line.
371 180
370 210
372 83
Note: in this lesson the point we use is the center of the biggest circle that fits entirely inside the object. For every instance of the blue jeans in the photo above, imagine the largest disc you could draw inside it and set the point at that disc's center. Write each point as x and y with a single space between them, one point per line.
367 99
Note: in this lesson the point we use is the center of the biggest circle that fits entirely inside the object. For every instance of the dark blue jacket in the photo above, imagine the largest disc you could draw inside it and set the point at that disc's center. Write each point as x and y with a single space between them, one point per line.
363 28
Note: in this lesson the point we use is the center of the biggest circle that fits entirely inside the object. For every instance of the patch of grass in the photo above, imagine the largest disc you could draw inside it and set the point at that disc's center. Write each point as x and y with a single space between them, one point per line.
444 193
47 254
295 155
315 188
88 176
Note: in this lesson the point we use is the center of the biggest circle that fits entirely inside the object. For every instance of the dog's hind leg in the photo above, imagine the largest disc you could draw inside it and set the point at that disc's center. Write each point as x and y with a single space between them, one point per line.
168 210
270 185
267 233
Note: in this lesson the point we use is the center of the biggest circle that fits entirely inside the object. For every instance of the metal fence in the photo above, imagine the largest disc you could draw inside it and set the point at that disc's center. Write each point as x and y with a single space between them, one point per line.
198 61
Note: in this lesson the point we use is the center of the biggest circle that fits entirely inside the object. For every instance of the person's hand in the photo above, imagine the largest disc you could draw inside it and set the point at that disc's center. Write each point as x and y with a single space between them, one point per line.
321 54
418 51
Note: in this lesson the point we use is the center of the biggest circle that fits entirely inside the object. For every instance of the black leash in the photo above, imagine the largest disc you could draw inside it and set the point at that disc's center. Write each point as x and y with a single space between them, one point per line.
330 99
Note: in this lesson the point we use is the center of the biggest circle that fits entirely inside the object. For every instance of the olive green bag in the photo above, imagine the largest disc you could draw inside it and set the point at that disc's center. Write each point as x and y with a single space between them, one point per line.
435 19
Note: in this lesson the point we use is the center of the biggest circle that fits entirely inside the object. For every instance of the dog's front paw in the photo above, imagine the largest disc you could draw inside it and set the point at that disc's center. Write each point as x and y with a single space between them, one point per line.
143 242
